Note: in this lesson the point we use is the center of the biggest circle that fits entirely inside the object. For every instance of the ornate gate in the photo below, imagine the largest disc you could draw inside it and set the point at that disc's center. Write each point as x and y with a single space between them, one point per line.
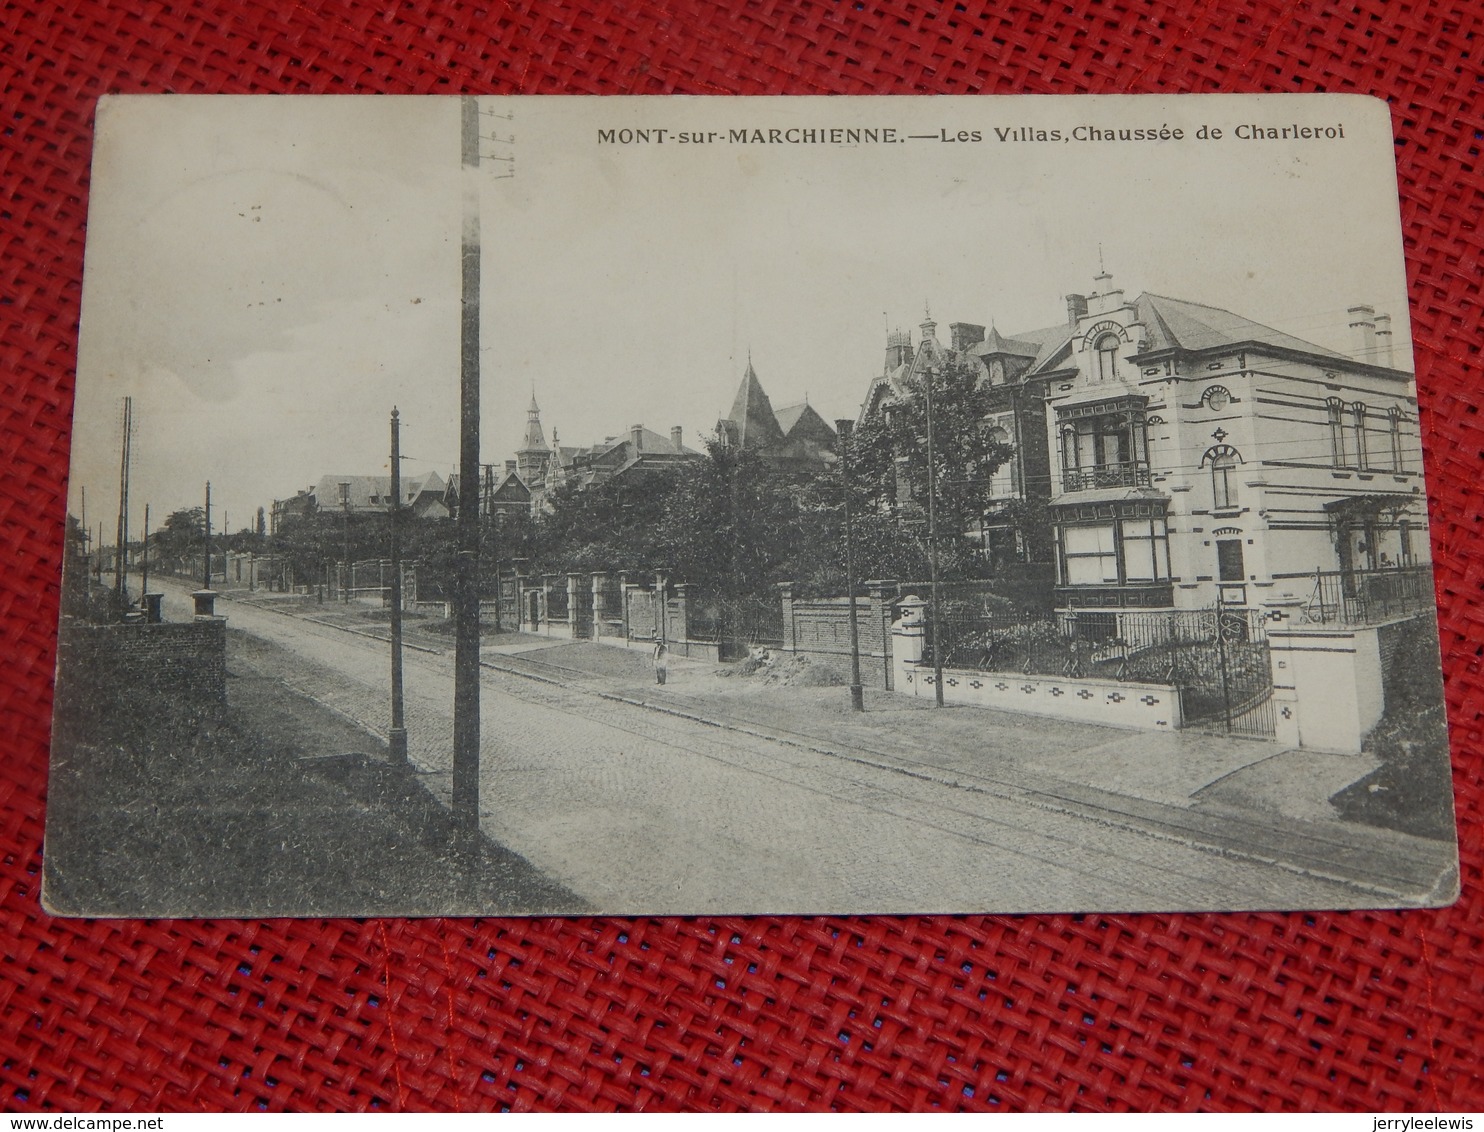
1224 674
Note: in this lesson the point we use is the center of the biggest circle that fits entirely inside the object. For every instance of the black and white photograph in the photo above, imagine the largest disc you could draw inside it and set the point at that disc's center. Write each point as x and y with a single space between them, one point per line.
678 506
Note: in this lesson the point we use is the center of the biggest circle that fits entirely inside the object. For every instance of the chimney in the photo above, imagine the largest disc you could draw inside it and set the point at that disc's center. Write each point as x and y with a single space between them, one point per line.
675 437
1076 308
963 335
1362 332
1384 356
509 466
898 349
636 434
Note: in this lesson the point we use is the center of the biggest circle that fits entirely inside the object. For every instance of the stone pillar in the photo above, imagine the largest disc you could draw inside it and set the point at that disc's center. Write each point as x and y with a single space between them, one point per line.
882 593
152 614
600 602
205 603
574 594
1327 687
908 643
546 584
680 626
661 612
786 596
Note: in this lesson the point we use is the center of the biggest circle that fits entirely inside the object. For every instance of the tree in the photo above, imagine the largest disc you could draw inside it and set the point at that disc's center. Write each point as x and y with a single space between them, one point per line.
180 545
889 463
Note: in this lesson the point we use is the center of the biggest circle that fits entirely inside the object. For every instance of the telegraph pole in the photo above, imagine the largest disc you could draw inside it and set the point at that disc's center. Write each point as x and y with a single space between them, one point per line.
933 544
121 566
466 580
397 737
843 428
144 558
206 581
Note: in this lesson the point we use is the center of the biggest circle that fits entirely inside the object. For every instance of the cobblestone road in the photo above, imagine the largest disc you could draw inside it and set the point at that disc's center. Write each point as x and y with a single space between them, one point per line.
639 811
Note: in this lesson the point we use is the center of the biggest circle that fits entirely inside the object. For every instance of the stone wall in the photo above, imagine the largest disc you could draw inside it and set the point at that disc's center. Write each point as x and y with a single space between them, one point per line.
1113 703
186 659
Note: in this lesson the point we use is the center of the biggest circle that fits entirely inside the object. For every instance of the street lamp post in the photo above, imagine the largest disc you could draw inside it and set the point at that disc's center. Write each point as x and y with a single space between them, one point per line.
345 581
843 427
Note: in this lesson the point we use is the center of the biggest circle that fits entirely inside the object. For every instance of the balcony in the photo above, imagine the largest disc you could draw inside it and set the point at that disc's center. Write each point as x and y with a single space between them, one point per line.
1127 473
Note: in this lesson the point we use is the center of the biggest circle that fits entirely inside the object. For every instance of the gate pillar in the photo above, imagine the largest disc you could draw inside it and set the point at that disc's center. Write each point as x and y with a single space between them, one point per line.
1326 685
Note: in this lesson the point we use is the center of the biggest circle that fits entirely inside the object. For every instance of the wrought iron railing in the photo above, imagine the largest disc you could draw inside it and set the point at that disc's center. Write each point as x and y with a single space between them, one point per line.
1361 597
1128 473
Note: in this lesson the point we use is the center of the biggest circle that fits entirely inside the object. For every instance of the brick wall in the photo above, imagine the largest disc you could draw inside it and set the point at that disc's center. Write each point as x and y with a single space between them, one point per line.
822 626
186 659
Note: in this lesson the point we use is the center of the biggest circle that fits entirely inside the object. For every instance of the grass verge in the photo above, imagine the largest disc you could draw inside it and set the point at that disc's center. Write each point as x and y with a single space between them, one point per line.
275 806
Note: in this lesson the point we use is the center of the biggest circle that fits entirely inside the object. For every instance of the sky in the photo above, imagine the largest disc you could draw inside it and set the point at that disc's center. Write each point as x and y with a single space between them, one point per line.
267 277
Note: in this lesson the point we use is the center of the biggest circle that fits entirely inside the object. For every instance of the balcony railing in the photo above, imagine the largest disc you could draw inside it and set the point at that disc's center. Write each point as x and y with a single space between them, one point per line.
1129 473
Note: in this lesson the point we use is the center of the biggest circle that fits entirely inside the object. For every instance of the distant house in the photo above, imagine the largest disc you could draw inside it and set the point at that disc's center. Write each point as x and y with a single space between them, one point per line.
795 438
508 494
636 454
424 496
1017 417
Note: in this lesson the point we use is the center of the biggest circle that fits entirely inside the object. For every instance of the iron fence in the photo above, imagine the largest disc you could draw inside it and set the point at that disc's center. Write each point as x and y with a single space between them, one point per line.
1363 597
737 624
1216 657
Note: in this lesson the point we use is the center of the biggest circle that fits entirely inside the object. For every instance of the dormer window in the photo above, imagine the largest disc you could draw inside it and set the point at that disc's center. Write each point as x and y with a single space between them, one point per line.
1107 357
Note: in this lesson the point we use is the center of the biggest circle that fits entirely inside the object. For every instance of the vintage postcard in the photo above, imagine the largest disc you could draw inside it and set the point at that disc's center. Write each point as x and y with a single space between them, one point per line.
722 505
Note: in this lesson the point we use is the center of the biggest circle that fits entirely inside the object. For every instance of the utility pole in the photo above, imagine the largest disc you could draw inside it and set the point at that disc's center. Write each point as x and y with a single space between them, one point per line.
144 558
843 428
121 564
466 579
206 581
933 544
397 737
345 502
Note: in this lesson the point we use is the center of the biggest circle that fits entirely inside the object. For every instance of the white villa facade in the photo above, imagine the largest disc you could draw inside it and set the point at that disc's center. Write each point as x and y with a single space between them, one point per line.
1198 457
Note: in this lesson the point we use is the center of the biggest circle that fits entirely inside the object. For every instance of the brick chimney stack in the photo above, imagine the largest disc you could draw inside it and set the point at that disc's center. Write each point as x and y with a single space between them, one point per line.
963 335
1076 309
675 437
636 434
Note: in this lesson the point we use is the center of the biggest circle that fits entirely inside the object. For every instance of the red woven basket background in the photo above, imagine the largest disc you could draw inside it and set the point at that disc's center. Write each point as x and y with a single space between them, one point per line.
1350 1011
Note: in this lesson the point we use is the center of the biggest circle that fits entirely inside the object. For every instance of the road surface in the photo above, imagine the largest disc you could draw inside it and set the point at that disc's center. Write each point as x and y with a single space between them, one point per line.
639 811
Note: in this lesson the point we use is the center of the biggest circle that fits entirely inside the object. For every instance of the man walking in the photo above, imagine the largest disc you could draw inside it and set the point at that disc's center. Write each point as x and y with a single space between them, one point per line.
661 659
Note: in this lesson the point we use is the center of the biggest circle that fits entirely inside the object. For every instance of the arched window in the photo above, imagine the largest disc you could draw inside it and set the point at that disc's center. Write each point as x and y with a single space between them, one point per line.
1224 460
1357 422
1107 350
1338 436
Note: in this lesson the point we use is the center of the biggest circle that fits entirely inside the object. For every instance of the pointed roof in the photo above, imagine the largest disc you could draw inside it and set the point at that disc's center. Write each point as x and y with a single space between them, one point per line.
996 343
535 438
802 418
752 413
